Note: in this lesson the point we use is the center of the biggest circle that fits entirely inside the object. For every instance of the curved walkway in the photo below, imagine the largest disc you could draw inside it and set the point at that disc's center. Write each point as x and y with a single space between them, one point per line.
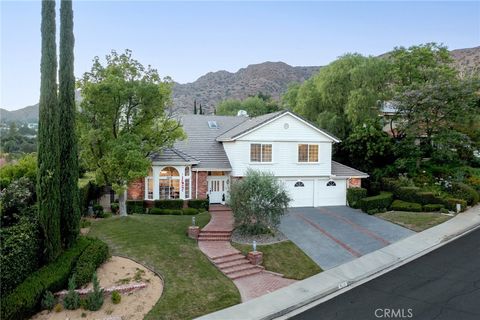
214 241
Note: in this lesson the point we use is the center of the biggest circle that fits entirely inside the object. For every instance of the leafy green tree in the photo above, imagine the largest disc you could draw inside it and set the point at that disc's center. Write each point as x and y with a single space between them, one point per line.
194 106
258 201
48 186
25 167
69 201
123 120
254 105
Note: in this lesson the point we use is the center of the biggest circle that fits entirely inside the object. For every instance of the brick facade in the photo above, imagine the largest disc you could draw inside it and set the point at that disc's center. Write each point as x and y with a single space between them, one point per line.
355 183
136 190
201 183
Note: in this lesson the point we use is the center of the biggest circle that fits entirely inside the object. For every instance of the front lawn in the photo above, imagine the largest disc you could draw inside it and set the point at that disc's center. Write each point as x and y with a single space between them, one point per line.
416 221
285 258
193 286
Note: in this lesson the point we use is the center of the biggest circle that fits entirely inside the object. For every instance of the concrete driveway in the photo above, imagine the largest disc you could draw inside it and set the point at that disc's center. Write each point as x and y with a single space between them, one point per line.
334 235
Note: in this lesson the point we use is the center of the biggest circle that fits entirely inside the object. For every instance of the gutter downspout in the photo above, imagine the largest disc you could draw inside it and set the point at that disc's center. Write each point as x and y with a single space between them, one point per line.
196 185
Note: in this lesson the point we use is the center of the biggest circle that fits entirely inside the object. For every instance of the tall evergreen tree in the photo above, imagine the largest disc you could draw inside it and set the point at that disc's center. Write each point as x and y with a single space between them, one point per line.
48 181
200 111
69 201
194 106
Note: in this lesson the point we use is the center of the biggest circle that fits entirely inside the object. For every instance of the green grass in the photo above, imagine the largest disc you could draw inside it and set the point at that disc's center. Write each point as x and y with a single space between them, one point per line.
193 286
285 258
416 221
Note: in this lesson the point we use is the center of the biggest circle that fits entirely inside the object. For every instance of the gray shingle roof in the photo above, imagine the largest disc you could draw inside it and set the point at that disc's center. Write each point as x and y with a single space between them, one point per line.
173 155
341 170
247 125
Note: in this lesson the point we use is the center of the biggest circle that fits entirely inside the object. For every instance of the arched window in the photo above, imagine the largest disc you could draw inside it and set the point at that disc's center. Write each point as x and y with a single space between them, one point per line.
169 183
331 184
299 184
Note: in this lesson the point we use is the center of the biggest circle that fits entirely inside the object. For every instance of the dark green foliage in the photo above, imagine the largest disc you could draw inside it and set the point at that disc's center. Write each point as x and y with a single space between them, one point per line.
176 212
465 192
69 201
17 201
88 192
428 198
48 301
72 300
116 297
92 257
379 202
189 211
20 253
98 211
451 204
408 194
375 211
135 206
400 205
114 207
354 195
255 229
26 167
433 207
94 300
85 223
48 185
169 204
199 204
25 298
444 210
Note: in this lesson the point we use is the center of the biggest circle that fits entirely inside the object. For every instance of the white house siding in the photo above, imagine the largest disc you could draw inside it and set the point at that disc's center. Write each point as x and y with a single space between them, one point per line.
315 192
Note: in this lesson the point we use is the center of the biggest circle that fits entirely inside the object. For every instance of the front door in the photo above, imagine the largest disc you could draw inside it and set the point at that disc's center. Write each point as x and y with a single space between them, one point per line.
217 188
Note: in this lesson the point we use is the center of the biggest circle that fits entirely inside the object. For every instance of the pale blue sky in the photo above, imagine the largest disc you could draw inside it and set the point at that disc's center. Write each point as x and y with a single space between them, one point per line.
185 40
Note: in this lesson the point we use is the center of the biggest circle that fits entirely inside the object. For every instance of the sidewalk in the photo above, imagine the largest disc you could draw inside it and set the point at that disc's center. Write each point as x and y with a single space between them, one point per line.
344 277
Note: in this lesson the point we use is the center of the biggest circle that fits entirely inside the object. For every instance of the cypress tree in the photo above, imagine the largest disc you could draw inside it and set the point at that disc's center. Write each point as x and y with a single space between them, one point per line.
194 106
48 182
201 111
69 201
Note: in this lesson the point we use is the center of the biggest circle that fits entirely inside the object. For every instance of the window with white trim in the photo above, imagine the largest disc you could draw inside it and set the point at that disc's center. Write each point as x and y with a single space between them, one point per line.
308 153
260 152
331 184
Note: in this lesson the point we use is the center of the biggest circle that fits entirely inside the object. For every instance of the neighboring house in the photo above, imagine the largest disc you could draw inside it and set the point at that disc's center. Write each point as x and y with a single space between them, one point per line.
221 148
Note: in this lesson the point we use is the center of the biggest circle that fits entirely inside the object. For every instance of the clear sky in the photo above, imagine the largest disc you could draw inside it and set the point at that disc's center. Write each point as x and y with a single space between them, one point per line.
185 40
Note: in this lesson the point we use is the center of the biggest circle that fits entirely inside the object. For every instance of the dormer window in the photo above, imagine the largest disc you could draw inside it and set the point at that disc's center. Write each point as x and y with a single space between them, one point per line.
212 124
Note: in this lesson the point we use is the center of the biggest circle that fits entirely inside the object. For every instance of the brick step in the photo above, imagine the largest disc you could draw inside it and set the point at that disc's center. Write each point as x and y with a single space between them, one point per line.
244 273
216 233
228 258
228 264
207 238
242 267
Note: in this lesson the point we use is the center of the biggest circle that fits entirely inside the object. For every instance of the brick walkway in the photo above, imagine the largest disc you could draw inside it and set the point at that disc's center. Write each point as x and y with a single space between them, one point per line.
214 241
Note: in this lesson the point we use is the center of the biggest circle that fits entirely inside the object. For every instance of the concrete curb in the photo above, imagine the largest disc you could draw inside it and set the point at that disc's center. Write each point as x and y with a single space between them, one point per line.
346 276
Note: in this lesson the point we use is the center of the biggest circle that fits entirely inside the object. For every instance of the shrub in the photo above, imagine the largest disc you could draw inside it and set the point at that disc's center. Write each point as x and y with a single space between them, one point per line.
433 207
355 194
444 210
25 167
84 223
201 204
428 198
399 205
20 253
115 207
379 202
116 297
408 194
25 299
169 204
58 308
91 258
451 204
48 301
94 299
189 211
17 200
165 211
88 192
135 206
474 182
465 192
258 199
72 299
98 211
255 229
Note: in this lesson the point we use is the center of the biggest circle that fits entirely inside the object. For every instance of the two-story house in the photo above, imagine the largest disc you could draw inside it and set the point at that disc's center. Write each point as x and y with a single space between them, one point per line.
219 149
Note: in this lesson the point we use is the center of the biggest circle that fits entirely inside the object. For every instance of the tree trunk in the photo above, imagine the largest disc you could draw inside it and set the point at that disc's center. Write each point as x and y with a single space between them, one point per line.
122 201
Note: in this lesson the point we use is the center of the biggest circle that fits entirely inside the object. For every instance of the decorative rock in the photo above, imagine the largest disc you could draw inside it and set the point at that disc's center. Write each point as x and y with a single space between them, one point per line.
122 289
193 232
255 257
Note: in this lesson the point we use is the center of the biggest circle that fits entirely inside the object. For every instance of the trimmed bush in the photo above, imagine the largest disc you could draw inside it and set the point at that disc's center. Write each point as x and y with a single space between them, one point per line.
94 299
465 192
428 198
189 211
379 202
165 211
408 194
135 206
169 204
25 299
116 297
354 195
399 205
91 258
115 207
201 204
451 204
433 207
20 254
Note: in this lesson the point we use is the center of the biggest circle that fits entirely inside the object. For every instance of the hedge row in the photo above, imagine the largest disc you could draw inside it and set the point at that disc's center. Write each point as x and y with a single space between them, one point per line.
25 299
140 206
201 204
354 195
135 207
20 254
400 205
169 204
177 212
91 258
379 202
465 192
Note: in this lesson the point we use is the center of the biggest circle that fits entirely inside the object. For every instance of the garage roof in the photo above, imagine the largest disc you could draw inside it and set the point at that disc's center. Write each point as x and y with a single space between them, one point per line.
341 170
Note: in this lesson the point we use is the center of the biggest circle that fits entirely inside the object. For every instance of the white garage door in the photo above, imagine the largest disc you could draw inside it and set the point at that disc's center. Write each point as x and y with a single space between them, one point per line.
301 192
331 193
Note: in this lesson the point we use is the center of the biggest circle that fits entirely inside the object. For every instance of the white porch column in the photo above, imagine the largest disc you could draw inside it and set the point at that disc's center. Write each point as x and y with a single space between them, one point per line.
156 182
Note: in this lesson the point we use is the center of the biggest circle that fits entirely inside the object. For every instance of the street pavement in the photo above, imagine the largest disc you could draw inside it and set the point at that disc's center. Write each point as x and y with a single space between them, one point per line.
442 285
